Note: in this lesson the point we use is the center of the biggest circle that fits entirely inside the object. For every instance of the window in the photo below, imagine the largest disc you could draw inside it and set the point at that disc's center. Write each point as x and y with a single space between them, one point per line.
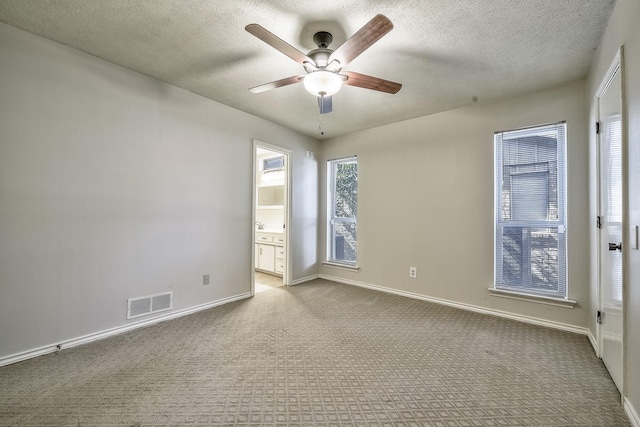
342 203
273 163
530 243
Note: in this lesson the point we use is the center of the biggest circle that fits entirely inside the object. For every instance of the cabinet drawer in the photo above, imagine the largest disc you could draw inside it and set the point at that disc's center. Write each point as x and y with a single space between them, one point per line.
279 266
261 238
279 252
279 239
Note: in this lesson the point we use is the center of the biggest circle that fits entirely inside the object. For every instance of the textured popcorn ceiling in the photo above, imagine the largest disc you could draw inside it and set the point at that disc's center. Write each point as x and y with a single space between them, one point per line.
446 53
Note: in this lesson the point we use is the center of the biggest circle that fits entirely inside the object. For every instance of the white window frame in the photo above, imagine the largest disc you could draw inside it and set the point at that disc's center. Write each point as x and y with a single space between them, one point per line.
332 219
523 287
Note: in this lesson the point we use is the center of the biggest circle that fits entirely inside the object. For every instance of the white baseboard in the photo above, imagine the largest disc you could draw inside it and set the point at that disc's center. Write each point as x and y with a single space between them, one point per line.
305 279
594 342
73 342
469 307
631 413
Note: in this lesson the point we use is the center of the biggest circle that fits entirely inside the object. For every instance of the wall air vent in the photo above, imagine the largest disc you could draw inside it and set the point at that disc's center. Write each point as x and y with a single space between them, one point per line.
142 306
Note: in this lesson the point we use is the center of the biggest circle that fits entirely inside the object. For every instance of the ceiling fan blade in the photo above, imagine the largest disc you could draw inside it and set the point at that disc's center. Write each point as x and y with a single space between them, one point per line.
279 44
362 40
370 82
278 83
325 104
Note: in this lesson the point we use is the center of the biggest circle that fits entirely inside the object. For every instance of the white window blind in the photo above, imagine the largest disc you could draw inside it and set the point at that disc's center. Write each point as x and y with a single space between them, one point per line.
613 211
530 243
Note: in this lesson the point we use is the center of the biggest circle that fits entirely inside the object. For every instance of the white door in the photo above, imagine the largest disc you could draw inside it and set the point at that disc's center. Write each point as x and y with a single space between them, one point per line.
611 214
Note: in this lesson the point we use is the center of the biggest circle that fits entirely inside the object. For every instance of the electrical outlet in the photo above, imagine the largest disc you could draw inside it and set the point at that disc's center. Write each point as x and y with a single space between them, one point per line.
205 279
413 272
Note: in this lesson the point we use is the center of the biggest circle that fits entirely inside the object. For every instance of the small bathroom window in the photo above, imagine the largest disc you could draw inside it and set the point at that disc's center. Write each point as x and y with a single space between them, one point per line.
273 163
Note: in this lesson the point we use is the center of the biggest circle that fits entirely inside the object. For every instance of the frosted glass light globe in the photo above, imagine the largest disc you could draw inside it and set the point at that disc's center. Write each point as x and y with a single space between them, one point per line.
322 83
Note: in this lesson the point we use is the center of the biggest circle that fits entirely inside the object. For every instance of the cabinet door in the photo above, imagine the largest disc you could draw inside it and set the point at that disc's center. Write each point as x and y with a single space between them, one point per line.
266 257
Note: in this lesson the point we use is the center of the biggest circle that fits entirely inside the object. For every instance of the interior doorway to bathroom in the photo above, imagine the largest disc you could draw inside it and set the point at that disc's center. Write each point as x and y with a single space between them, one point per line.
271 266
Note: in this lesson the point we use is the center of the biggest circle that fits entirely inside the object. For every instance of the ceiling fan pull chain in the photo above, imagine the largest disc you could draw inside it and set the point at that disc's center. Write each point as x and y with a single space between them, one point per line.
321 114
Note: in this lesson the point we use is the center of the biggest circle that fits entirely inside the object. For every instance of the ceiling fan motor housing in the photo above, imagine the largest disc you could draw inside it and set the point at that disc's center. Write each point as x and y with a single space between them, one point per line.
321 55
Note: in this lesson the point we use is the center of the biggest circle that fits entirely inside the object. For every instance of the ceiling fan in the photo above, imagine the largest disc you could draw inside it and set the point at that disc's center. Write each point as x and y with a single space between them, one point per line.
324 66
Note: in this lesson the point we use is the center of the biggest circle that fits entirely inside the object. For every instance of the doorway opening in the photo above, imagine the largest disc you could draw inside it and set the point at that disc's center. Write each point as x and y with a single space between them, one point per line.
271 215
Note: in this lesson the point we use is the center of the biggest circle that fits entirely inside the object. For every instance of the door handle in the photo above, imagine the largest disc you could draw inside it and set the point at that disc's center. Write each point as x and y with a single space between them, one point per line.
613 246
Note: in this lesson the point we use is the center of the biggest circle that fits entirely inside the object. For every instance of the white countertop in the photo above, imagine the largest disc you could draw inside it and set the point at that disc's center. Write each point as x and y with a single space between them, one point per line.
271 230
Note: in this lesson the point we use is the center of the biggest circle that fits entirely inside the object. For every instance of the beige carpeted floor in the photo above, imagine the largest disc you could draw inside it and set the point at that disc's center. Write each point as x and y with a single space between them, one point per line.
319 354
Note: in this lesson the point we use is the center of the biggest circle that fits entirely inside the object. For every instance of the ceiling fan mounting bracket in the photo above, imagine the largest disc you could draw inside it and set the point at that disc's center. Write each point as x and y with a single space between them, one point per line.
322 39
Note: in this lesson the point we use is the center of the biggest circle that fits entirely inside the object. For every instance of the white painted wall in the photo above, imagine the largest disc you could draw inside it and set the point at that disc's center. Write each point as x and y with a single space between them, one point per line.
425 199
622 30
115 185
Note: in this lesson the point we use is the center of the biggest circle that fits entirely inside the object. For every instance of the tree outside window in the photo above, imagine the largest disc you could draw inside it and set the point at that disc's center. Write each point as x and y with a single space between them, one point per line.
343 205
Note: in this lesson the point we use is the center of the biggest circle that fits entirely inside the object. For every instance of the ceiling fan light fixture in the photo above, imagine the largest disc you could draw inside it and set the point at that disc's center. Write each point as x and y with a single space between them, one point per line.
322 83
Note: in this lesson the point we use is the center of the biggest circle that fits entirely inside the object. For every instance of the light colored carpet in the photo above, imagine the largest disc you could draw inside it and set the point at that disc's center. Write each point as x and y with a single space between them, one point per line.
319 354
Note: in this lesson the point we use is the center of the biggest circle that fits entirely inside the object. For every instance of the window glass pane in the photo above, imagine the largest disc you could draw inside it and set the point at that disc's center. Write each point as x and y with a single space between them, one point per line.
530 178
346 190
614 290
344 241
530 259
613 209
342 210
273 163
614 159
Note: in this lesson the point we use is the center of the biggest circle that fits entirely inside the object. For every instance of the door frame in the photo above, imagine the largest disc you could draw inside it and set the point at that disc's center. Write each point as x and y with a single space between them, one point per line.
288 158
617 66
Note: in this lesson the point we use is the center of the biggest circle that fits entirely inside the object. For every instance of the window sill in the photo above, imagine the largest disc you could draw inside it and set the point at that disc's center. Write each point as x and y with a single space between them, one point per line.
558 302
341 266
